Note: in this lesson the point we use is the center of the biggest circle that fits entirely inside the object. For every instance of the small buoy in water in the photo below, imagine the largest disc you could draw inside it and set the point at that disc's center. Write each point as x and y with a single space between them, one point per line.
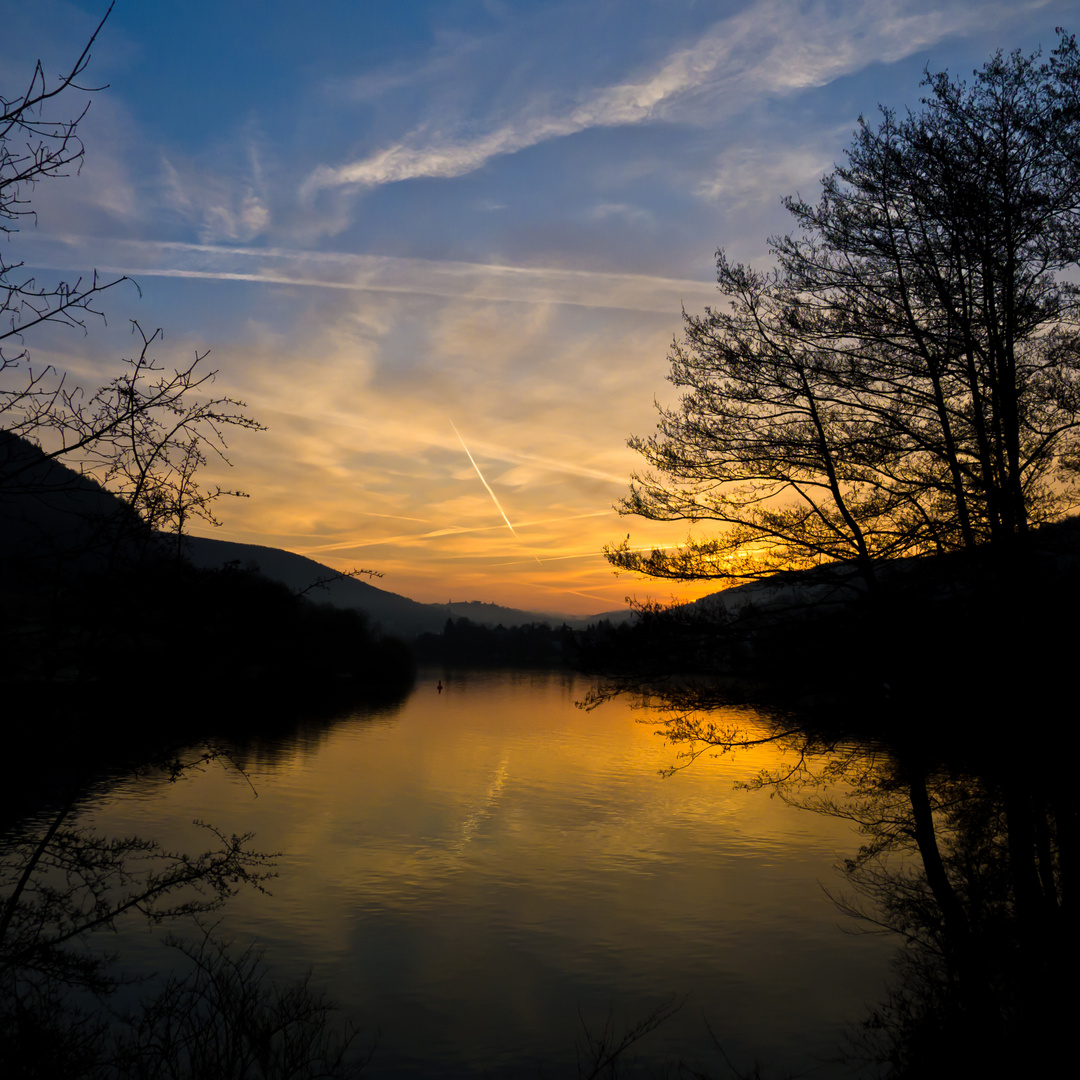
439 687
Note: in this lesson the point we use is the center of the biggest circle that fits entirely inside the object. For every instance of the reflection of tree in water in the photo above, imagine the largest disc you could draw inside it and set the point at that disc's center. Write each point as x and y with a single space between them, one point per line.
278 741
970 868
218 1015
972 863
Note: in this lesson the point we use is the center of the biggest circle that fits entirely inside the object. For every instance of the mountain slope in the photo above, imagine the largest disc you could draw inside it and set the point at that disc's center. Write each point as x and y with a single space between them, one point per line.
57 524
393 613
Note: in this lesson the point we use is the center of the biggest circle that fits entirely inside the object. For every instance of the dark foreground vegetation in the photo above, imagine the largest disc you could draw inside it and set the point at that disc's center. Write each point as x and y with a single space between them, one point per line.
962 791
968 857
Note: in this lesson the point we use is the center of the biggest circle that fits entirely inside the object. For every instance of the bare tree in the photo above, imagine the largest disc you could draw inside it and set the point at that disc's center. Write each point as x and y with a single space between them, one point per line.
146 433
35 146
766 443
149 432
908 379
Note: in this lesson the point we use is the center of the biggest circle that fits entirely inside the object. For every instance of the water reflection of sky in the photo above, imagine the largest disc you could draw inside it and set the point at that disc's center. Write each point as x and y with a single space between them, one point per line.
468 874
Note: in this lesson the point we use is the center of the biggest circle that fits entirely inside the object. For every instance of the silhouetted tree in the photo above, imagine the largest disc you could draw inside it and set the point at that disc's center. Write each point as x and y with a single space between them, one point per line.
35 146
146 433
907 379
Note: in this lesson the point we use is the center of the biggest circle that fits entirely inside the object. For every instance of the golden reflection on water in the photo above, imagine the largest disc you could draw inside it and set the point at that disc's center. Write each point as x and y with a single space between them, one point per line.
491 858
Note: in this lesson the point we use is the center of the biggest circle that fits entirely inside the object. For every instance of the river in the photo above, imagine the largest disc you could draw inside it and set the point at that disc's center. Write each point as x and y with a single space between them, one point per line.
482 875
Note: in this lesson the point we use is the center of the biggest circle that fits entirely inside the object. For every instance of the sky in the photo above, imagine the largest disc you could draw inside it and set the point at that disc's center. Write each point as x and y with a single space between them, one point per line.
441 249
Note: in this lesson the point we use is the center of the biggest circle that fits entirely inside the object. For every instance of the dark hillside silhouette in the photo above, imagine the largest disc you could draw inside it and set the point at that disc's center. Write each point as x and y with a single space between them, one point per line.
89 590
55 522
397 614
915 644
393 613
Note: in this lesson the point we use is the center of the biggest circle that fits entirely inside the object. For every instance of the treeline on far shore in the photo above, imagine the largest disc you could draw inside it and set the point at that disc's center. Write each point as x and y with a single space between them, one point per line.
943 639
464 642
178 632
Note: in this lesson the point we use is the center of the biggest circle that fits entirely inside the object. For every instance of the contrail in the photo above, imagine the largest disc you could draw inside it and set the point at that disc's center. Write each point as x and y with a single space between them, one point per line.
482 480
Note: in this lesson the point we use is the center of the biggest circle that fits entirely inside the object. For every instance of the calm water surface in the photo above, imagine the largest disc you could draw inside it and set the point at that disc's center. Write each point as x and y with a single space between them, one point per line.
476 873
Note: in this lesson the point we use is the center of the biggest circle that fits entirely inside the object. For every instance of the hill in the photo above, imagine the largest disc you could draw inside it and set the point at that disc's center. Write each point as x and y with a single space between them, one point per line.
58 523
393 613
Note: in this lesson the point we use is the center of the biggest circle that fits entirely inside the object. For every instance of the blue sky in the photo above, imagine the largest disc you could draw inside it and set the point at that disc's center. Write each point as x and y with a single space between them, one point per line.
388 220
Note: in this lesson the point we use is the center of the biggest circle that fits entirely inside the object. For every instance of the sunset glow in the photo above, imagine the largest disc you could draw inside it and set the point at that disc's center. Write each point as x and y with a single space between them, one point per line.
378 217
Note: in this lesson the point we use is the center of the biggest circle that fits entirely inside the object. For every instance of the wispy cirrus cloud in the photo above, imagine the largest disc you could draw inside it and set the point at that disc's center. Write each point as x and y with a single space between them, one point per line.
771 48
370 273
751 173
226 204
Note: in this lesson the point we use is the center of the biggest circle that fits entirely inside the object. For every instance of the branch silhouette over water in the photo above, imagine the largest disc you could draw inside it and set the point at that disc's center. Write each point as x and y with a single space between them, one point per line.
62 884
968 856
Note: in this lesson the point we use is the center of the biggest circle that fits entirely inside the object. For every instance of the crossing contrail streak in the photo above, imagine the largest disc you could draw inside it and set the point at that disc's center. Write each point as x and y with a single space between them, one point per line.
482 480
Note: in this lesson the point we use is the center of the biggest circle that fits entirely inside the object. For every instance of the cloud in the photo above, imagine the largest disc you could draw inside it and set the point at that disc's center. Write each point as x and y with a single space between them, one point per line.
104 191
633 215
357 391
771 48
369 273
753 174
626 104
221 207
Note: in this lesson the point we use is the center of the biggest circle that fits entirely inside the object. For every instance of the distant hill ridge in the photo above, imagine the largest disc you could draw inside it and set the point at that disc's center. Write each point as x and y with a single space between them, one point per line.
51 515
393 613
